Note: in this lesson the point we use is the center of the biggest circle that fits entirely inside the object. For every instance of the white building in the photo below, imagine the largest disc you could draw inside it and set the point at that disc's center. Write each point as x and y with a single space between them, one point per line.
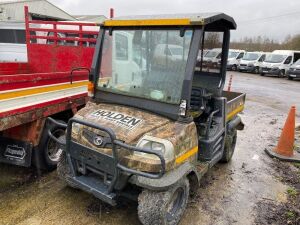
13 10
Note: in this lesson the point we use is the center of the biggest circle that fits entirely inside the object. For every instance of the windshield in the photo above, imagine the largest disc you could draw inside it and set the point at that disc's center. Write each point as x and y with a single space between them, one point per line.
211 54
251 56
275 58
232 54
145 63
297 63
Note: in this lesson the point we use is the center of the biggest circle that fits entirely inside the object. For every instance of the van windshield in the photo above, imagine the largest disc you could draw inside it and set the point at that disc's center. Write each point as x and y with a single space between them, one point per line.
275 58
297 63
251 56
145 63
211 54
232 54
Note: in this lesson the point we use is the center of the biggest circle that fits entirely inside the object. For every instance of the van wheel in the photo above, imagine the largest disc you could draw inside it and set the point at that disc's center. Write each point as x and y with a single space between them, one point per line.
256 70
47 153
262 74
164 208
290 78
64 170
234 68
230 143
281 73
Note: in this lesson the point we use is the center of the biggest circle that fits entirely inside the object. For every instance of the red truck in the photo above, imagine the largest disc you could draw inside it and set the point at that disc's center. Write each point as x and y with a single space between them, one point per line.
52 83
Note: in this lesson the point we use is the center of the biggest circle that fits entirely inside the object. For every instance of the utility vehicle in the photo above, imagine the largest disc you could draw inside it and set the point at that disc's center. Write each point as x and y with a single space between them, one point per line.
152 140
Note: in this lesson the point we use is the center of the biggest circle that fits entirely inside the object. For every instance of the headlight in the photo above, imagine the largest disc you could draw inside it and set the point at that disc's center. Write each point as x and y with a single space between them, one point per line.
163 146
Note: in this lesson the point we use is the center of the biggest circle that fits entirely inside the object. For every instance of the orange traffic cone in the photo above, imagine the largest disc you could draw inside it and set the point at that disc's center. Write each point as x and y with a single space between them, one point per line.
285 147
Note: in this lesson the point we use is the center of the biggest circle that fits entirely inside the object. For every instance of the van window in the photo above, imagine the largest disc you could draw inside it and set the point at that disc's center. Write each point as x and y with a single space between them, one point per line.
288 60
12 36
241 55
262 58
121 47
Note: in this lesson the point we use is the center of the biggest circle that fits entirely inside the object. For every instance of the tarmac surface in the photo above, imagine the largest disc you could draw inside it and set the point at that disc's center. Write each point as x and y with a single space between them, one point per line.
229 193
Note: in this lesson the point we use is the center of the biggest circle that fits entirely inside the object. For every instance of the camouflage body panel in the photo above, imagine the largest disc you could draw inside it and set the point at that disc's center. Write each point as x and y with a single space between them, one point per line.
130 125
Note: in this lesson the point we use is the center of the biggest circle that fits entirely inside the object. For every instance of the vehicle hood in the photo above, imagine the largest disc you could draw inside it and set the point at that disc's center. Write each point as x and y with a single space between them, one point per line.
129 124
295 67
247 62
270 65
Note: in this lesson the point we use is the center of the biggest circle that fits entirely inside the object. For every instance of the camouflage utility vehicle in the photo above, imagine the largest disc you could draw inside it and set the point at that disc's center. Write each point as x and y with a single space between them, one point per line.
155 122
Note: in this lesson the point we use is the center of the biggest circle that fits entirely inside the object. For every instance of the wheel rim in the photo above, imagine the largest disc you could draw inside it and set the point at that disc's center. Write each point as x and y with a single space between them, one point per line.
175 204
53 148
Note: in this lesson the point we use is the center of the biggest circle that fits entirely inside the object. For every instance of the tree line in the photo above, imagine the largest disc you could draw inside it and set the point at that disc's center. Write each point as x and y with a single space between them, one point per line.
266 44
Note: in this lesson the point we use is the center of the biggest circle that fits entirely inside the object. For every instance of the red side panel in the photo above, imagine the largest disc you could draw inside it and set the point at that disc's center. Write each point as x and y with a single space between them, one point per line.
49 58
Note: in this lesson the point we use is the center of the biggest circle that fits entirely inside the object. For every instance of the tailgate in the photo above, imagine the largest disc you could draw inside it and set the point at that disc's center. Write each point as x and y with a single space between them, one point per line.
235 103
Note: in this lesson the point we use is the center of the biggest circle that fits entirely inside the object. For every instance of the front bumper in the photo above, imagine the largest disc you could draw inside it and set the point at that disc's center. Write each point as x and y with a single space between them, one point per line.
98 173
246 68
272 71
293 73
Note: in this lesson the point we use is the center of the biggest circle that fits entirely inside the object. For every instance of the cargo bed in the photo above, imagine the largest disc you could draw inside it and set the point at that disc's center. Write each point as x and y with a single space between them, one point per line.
235 103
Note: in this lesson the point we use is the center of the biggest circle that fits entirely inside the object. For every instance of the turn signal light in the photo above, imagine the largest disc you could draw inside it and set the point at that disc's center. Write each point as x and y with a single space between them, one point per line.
91 89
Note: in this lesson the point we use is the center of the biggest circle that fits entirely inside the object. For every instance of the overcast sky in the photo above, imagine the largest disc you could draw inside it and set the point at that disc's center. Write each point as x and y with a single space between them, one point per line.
281 17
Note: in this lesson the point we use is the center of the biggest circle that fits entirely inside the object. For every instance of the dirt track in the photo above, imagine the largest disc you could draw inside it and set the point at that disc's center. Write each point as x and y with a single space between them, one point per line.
229 194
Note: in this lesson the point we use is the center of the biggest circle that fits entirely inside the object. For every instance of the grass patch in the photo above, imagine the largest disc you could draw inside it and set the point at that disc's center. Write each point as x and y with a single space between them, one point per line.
297 165
290 215
292 192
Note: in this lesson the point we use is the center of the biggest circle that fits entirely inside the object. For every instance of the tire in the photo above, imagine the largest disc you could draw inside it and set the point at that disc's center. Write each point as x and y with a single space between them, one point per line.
164 208
290 78
230 143
281 73
234 68
64 171
256 70
262 74
46 154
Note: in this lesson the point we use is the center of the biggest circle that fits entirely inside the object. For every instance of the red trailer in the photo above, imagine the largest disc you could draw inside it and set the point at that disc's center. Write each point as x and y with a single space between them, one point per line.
52 83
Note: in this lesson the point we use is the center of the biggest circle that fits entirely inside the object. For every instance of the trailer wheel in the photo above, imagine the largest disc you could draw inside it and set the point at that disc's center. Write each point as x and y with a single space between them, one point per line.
47 154
64 171
230 143
164 208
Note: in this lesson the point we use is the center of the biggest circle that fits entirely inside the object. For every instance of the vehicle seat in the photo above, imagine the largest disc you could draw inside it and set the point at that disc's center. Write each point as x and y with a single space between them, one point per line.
197 103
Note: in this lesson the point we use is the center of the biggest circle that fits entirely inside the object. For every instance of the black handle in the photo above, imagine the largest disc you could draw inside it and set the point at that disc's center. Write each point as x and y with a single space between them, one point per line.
78 69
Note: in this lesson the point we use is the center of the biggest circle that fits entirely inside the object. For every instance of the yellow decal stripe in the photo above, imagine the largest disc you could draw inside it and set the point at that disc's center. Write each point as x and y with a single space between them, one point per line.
40 90
151 22
186 155
234 112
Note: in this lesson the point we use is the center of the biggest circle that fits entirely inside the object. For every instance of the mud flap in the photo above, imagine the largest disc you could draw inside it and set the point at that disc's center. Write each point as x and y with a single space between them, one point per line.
15 152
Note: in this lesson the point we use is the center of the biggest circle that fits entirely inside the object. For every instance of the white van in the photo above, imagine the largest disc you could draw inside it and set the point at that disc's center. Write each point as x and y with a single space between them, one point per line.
12 42
212 57
234 58
251 62
278 62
